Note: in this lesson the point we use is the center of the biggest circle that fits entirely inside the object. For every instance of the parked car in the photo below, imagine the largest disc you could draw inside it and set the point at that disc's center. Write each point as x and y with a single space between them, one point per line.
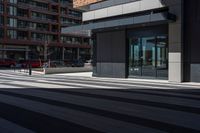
77 63
68 63
88 63
54 64
7 62
20 64
57 64
25 63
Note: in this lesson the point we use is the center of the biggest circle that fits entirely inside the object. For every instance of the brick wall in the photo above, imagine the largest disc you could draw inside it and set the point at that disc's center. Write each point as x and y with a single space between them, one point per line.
79 3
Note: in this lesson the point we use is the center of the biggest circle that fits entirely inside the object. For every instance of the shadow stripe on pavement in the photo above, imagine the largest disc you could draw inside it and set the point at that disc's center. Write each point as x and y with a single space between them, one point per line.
134 101
147 91
39 123
191 91
131 119
18 85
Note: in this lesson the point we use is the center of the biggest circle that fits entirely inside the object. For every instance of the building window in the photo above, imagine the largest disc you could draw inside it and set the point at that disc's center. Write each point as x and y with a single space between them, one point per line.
1 20
22 35
22 24
22 12
12 22
13 1
66 39
1 8
12 10
69 22
43 37
1 33
74 13
12 34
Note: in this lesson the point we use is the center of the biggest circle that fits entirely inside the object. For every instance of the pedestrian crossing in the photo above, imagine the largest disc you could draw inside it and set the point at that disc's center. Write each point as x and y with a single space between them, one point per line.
113 106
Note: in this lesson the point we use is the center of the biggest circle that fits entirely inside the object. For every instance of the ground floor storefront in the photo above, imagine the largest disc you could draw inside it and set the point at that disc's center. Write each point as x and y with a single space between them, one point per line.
148 52
140 52
159 41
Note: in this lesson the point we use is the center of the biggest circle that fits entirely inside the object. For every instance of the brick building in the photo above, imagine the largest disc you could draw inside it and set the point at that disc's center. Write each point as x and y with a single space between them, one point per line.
31 29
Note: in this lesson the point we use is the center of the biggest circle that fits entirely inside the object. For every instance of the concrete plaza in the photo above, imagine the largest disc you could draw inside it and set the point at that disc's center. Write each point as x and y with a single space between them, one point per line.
79 103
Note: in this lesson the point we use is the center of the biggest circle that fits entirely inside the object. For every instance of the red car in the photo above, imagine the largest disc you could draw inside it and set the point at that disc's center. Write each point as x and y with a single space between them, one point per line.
34 63
7 63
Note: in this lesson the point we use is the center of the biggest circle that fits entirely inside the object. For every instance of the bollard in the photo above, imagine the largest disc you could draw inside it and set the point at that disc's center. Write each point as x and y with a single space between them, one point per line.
30 69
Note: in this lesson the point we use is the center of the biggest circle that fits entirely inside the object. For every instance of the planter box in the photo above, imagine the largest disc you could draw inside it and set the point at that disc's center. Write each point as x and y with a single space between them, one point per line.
67 70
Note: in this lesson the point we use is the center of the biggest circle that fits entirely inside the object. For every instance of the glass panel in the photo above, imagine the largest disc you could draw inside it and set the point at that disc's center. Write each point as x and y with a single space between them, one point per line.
162 56
135 57
148 56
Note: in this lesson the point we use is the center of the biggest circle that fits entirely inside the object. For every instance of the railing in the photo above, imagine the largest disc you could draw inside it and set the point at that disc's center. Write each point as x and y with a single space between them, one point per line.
26 5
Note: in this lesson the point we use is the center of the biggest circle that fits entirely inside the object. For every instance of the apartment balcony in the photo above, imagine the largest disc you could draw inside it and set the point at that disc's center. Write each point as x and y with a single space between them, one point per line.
35 30
38 20
44 42
71 45
54 2
37 9
43 19
30 42
43 32
71 16
26 5
18 42
22 38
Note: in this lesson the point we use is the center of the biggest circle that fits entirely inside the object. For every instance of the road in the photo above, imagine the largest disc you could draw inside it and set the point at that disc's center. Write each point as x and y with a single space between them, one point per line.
72 104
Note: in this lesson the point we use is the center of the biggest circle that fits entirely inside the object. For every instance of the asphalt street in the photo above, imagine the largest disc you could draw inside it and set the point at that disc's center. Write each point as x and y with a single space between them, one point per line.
78 104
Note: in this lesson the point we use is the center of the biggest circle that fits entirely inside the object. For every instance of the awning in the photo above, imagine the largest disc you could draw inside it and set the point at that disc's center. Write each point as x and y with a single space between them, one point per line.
129 20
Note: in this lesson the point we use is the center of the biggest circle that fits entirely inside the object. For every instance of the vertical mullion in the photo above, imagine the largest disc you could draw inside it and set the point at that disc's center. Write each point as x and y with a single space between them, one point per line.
141 54
156 54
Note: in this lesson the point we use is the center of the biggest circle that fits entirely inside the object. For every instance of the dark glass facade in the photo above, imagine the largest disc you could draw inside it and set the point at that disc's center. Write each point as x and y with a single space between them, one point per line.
148 52
140 38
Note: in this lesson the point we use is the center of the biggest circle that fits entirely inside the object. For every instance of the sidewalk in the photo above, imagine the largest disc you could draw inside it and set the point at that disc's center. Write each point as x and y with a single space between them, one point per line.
88 75
153 81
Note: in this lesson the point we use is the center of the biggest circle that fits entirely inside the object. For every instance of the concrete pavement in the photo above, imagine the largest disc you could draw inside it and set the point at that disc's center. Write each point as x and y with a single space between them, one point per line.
79 104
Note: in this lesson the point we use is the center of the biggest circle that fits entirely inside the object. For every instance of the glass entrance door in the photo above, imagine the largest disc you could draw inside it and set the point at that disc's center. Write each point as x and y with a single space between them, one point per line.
135 57
162 57
148 56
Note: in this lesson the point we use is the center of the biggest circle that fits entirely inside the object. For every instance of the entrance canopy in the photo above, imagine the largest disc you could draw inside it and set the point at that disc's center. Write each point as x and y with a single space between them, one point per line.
161 17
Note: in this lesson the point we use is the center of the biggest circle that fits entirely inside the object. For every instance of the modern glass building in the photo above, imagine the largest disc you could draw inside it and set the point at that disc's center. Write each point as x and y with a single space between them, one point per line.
145 38
31 29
